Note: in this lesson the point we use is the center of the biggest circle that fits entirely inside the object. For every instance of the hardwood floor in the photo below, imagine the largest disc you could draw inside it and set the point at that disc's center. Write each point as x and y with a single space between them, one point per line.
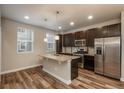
36 78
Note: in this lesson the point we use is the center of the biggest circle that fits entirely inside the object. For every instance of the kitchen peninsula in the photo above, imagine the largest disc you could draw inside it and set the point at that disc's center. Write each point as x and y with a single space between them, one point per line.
63 67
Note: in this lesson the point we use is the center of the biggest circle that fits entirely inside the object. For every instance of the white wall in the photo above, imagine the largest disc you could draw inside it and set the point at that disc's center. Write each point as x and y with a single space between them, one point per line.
12 61
122 46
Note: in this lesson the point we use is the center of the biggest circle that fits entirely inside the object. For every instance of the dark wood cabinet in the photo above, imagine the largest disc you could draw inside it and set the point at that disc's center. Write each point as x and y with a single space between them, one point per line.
108 31
114 30
68 40
65 40
101 32
80 35
59 44
90 36
89 62
74 68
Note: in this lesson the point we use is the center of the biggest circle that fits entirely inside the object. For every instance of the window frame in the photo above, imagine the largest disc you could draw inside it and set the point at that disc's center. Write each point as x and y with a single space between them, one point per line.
32 41
51 50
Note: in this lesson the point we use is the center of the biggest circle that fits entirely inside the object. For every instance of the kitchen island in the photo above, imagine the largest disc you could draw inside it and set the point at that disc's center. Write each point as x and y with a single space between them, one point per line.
62 67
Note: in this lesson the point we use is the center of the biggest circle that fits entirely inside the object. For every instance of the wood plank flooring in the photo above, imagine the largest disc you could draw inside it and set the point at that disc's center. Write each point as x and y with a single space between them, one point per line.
36 78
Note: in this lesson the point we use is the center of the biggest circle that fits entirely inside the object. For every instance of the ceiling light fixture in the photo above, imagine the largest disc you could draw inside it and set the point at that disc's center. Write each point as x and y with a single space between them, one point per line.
90 17
60 27
72 23
26 17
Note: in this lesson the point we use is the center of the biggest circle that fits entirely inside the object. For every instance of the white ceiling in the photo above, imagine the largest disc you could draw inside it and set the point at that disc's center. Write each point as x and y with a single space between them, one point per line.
68 13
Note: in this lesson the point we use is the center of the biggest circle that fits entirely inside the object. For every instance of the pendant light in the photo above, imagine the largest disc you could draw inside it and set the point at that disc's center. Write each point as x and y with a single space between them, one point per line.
56 37
45 39
57 27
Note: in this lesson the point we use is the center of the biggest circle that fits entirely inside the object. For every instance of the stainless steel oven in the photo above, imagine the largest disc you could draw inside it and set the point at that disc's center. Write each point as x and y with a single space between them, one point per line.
80 43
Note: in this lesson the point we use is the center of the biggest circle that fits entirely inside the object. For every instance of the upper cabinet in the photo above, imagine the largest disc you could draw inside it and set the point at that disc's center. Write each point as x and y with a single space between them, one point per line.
80 35
90 36
59 44
108 31
101 32
68 40
114 30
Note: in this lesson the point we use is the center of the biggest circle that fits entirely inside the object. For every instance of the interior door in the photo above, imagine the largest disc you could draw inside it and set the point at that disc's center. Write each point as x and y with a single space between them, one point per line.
99 56
112 57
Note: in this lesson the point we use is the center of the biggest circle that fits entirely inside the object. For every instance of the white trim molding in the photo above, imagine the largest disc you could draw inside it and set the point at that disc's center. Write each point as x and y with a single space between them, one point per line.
19 69
122 79
61 79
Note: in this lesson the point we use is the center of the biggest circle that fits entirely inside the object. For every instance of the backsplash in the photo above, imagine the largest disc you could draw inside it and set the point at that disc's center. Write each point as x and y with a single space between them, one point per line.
72 49
91 51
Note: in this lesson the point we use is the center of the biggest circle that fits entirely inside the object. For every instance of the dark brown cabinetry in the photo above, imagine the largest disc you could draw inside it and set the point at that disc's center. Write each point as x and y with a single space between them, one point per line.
108 31
74 68
68 40
89 62
59 44
114 30
101 32
90 36
80 35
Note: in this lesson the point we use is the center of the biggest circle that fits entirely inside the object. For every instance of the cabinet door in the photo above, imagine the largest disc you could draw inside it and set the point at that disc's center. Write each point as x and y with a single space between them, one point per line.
64 40
89 62
72 39
74 68
77 35
114 30
90 37
80 35
101 32
59 44
68 40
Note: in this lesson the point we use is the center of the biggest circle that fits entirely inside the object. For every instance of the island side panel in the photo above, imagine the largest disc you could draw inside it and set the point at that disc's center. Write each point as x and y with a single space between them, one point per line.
60 70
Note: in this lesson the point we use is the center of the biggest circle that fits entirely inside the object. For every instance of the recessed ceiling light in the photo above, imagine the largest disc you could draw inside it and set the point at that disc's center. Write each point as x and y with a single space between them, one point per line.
71 23
90 17
26 17
59 27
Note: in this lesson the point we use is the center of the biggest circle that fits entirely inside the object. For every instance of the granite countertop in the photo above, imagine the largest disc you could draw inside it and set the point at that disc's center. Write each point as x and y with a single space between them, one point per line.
60 58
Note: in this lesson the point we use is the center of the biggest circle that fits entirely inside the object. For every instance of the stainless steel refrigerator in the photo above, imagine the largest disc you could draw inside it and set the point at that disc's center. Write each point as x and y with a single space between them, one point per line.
107 56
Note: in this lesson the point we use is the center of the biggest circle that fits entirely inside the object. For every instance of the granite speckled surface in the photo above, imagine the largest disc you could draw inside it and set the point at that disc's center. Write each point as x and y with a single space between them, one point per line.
60 58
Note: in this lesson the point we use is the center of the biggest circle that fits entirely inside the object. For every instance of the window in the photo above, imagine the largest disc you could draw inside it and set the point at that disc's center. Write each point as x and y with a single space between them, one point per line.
24 40
51 45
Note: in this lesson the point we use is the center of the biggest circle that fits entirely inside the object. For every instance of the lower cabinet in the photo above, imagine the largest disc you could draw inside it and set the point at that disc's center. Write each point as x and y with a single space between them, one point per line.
74 68
89 62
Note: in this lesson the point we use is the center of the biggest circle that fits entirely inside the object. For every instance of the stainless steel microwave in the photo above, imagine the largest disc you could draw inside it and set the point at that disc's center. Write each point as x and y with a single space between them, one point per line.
81 42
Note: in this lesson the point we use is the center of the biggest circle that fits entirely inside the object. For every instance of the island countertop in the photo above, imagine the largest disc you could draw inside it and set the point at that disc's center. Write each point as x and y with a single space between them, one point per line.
60 57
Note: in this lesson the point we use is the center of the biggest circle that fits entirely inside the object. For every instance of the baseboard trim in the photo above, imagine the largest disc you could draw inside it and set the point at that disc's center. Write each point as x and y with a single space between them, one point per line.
61 79
122 79
19 69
